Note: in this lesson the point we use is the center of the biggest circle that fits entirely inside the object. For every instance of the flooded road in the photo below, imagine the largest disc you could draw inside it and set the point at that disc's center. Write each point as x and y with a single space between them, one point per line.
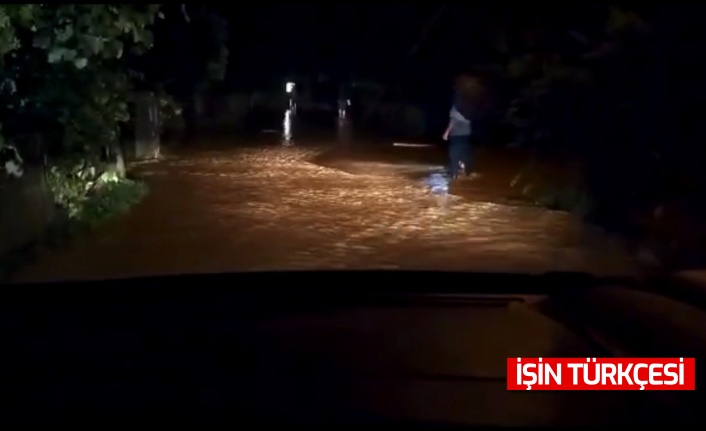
272 208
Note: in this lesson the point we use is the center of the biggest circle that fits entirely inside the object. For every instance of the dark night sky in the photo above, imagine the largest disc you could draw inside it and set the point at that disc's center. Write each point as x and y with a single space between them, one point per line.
372 40
272 39
335 38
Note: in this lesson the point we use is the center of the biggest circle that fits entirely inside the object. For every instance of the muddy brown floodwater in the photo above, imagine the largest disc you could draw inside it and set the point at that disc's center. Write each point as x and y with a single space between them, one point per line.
253 209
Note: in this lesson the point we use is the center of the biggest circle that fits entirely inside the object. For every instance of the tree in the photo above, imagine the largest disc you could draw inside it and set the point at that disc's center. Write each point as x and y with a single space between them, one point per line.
67 73
65 67
190 55
65 82
582 91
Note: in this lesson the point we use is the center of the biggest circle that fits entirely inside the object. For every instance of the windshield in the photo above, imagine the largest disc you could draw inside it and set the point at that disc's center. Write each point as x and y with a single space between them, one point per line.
204 139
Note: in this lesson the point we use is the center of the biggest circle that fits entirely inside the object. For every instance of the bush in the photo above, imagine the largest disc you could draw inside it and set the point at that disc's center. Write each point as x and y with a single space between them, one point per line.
555 185
89 192
113 199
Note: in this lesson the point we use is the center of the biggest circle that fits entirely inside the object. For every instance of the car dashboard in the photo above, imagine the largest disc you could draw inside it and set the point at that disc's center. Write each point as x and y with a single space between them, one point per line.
232 348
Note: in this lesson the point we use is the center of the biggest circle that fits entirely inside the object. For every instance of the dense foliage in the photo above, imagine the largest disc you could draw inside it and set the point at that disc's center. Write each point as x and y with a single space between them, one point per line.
580 88
607 98
64 68
67 76
65 86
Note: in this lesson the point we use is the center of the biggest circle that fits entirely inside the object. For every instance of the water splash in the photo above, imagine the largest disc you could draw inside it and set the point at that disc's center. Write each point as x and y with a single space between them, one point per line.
438 183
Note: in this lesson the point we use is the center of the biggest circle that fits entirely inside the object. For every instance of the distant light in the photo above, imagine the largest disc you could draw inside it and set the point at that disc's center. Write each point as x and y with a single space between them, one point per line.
348 101
290 87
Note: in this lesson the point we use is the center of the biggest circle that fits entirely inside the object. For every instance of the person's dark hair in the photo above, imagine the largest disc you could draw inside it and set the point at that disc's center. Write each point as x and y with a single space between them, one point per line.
469 92
463 82
463 98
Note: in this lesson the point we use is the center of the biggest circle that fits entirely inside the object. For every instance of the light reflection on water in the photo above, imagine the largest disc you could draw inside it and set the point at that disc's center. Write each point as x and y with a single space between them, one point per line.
343 132
287 129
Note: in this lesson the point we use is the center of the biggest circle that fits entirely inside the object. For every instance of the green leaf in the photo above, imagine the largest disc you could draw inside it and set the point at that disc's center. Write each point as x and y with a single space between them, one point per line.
95 44
64 34
69 54
55 55
80 63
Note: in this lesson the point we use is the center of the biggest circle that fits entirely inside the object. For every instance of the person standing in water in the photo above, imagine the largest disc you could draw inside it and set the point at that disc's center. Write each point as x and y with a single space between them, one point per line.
458 132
